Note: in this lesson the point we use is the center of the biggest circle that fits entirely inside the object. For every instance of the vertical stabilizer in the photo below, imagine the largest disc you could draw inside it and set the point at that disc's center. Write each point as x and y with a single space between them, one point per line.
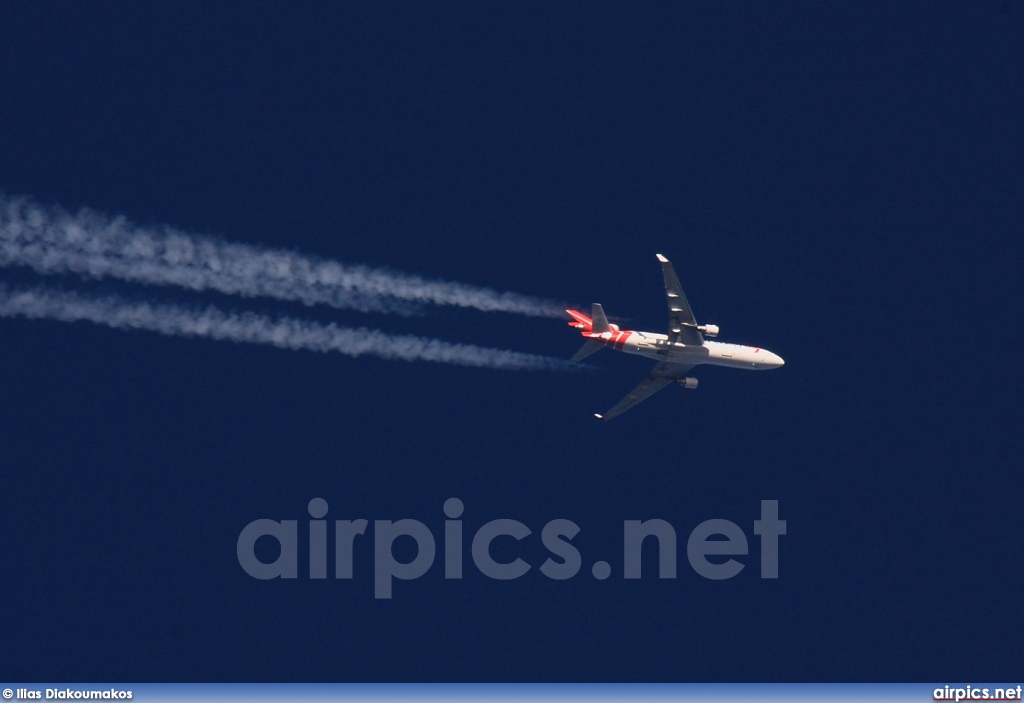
600 323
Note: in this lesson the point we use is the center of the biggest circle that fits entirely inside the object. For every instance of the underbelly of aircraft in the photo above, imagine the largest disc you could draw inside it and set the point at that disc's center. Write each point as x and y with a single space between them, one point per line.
694 356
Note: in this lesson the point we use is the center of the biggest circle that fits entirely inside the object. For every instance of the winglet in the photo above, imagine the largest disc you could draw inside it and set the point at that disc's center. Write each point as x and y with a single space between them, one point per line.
662 259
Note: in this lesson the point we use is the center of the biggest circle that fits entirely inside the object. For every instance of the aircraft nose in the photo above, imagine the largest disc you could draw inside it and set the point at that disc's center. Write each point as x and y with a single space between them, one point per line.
778 360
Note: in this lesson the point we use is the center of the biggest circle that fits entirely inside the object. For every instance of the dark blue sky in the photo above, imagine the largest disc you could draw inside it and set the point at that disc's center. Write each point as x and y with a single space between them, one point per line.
842 183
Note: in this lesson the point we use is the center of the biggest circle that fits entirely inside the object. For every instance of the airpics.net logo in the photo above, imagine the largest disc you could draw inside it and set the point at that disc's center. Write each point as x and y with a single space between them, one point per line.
711 547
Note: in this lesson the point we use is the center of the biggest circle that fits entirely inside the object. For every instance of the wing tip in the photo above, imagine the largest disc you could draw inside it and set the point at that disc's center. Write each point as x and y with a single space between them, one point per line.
662 259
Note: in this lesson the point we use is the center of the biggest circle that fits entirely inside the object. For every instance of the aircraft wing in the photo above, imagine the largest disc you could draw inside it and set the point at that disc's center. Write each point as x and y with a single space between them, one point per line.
682 325
662 375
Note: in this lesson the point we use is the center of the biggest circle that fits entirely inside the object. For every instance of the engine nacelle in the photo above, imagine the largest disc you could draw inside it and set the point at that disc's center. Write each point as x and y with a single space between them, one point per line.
688 382
709 330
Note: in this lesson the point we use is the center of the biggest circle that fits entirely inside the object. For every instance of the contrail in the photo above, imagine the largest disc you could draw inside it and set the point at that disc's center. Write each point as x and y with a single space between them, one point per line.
51 240
286 333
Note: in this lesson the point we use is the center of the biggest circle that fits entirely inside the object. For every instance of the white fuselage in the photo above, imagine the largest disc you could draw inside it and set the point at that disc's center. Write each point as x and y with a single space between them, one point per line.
658 347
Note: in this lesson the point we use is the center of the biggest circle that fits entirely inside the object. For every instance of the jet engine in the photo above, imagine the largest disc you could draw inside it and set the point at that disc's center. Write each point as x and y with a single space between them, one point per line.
709 330
688 382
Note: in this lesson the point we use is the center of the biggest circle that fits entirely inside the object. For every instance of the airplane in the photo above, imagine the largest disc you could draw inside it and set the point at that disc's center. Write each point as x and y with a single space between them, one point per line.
676 353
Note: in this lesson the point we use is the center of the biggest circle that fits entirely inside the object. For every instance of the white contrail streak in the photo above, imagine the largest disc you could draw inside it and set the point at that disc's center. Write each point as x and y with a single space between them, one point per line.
286 333
51 240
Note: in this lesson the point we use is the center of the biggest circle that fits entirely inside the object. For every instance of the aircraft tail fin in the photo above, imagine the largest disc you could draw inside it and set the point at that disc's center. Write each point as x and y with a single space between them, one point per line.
600 322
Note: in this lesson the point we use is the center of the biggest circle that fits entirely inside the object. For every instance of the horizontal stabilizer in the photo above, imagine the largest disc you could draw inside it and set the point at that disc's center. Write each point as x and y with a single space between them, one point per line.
580 321
589 347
